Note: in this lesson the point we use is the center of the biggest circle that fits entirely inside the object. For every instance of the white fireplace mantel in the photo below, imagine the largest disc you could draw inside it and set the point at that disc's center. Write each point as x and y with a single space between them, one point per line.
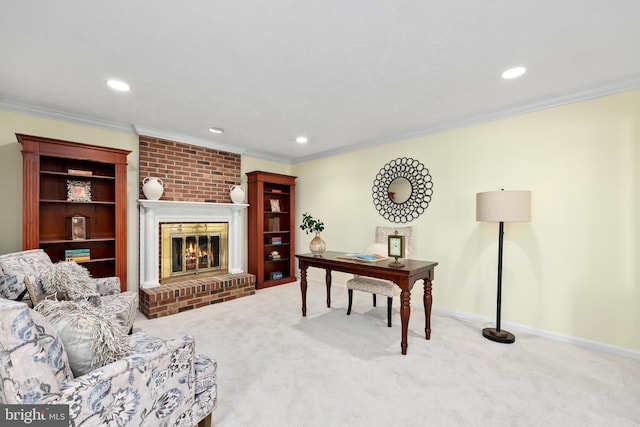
154 212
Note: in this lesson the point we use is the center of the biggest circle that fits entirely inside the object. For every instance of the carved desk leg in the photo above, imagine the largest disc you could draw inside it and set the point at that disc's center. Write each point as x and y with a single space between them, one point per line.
303 288
427 307
327 280
405 311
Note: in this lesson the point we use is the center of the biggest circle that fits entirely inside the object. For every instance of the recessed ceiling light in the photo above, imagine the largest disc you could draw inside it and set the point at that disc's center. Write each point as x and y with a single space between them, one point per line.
302 139
118 85
512 73
216 130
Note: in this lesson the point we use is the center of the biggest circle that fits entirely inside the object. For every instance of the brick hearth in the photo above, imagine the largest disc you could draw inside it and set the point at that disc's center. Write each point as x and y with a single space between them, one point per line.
173 298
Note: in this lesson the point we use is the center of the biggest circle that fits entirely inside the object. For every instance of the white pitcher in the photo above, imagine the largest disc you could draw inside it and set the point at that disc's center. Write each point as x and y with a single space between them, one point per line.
152 188
237 193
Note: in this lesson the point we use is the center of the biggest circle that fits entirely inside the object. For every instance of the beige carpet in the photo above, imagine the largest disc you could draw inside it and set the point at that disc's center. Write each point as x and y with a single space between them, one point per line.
276 368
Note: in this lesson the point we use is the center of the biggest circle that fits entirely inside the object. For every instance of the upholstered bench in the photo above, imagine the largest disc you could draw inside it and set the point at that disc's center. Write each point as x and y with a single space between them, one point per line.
376 287
379 286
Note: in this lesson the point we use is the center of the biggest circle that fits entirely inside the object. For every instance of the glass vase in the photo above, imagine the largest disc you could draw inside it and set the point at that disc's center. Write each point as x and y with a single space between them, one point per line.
317 245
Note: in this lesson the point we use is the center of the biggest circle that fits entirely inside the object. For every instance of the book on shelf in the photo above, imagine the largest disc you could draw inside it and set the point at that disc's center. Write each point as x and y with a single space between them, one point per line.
77 255
79 172
276 240
275 275
274 224
363 257
78 259
276 190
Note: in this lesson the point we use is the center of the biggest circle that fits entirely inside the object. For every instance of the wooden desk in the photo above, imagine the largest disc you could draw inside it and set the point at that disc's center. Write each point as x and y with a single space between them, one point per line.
404 277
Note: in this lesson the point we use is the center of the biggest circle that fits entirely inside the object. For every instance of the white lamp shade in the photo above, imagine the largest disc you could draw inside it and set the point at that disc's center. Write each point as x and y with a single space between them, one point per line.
503 206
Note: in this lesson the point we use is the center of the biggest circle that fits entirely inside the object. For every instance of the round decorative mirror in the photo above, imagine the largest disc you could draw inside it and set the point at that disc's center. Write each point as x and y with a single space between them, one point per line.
402 190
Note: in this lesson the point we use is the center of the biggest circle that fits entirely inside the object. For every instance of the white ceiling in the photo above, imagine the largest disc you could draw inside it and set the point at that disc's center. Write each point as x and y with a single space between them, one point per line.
345 73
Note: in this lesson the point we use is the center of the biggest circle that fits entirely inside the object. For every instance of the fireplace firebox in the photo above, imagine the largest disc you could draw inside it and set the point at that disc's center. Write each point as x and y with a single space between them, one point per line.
193 248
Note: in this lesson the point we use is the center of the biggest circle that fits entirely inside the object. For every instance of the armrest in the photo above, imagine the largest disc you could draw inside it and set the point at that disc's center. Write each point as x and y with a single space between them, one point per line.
107 285
149 388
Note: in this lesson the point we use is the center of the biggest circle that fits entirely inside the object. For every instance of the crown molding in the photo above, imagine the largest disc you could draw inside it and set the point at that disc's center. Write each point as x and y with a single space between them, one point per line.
583 94
18 107
611 87
265 156
162 134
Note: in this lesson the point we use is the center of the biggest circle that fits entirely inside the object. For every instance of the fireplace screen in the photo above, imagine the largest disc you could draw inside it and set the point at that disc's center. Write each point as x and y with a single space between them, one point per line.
193 248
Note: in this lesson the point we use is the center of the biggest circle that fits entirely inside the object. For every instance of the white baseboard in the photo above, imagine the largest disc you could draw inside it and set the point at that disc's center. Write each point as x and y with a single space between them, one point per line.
592 345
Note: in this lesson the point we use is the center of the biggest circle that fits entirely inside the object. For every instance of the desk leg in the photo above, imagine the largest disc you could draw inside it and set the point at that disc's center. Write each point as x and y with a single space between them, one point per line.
327 280
427 307
405 311
303 289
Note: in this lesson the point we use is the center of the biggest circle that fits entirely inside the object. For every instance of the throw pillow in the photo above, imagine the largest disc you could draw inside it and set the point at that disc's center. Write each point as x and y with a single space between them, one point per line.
90 337
66 277
10 288
33 363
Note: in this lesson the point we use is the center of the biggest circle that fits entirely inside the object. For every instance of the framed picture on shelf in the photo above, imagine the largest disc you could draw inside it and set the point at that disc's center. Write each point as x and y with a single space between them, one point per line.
275 205
78 191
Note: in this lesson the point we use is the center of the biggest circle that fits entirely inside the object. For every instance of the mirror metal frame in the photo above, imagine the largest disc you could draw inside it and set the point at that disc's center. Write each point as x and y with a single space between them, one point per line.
421 190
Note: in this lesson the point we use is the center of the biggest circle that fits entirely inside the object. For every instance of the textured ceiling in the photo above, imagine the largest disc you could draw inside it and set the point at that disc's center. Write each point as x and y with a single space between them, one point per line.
345 73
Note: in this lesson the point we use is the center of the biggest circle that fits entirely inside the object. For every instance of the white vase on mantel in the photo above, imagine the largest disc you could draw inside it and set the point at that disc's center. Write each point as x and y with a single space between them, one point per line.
236 192
152 188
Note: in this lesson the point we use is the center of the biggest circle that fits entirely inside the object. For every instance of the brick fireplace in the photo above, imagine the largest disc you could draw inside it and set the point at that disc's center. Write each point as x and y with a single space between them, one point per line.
197 182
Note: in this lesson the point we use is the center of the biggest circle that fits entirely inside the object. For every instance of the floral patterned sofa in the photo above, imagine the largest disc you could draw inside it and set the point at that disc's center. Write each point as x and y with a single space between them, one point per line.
163 383
14 267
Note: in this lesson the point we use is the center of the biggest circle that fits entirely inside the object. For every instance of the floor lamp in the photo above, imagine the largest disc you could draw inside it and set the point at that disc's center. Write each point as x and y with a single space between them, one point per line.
502 206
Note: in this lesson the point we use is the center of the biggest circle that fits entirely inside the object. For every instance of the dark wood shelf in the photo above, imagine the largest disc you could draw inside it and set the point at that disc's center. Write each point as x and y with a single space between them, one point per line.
46 163
77 177
74 242
267 283
276 193
276 260
261 186
92 202
90 261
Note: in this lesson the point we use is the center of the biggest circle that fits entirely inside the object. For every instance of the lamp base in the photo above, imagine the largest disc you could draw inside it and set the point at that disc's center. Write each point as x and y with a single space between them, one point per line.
500 336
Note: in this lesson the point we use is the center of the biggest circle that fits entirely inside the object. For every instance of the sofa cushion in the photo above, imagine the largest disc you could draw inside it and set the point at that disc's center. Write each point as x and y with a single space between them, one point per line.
26 263
91 337
33 363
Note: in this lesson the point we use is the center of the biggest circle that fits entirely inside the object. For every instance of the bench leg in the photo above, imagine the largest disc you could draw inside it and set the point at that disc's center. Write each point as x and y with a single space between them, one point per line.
350 301
374 300
389 303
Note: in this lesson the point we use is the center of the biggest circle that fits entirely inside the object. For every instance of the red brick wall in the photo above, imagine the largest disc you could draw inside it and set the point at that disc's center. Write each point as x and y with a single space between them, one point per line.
190 173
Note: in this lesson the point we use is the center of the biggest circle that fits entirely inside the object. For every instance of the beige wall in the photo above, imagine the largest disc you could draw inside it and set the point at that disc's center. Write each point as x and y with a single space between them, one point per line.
11 175
571 271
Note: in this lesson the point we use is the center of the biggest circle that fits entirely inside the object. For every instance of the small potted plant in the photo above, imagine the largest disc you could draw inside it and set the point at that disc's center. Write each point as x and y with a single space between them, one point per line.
312 225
